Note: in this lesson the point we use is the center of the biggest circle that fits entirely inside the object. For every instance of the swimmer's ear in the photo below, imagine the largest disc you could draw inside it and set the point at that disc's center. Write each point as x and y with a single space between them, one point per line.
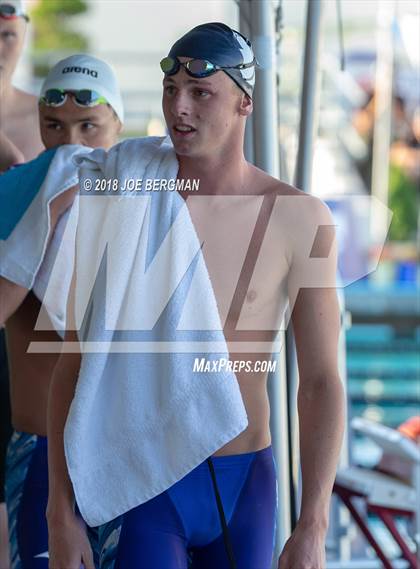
118 120
245 105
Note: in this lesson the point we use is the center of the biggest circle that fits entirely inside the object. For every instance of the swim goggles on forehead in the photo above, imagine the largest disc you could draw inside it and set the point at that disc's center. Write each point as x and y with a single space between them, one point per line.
82 98
197 67
10 12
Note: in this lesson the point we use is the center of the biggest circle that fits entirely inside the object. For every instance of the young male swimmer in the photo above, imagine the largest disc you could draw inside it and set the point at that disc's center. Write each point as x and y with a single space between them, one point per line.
80 103
19 129
19 141
222 513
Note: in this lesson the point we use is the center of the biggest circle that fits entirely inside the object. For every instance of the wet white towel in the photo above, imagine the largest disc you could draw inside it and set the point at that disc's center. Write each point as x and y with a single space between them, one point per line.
52 282
139 422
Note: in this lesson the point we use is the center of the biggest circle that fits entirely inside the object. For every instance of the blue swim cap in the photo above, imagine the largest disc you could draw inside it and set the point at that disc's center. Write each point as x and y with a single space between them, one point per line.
220 45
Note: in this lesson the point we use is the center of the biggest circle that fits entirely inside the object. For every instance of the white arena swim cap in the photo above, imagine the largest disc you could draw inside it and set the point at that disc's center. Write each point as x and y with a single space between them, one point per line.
82 71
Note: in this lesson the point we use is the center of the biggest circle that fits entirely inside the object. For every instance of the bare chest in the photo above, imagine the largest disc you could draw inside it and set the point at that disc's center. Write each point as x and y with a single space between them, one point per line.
245 251
23 131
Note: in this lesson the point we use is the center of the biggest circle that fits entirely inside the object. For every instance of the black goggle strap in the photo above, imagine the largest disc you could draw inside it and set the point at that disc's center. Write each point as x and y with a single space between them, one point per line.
245 65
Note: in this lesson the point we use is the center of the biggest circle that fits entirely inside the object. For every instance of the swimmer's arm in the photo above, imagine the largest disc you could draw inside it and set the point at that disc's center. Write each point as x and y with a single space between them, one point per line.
320 400
68 544
11 297
63 383
316 325
61 393
321 422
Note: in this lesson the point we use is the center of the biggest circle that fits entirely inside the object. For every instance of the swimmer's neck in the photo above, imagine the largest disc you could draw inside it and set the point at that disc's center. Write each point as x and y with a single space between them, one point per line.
217 175
7 89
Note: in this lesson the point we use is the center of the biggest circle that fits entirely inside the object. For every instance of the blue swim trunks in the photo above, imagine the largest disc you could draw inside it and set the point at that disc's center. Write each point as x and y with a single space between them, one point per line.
181 527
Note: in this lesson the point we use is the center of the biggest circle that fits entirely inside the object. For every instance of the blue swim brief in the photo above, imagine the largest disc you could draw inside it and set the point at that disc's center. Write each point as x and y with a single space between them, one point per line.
181 527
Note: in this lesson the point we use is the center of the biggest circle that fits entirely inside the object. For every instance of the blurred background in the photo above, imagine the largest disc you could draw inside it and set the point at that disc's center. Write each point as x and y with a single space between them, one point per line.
367 145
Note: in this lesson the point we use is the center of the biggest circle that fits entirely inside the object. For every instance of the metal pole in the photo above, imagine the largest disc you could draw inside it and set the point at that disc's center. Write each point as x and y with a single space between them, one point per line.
266 152
265 99
310 96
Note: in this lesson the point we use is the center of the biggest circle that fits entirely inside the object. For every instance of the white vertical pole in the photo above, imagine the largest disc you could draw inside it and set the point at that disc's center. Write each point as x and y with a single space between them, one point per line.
309 109
266 153
265 99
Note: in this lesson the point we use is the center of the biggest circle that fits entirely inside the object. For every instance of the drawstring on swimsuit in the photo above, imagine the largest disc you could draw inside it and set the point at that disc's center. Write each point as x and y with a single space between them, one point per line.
238 299
226 537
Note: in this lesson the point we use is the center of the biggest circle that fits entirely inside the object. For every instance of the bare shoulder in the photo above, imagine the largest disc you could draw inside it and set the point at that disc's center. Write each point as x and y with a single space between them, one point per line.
21 124
304 206
25 103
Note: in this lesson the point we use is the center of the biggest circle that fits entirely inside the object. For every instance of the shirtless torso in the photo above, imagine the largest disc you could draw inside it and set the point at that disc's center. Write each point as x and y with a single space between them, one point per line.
29 373
249 277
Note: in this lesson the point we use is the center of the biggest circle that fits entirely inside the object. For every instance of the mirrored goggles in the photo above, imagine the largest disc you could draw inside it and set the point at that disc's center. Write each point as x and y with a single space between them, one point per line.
82 98
197 67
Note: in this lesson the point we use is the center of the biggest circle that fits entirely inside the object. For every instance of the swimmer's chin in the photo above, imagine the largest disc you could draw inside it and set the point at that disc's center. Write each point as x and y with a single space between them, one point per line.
183 147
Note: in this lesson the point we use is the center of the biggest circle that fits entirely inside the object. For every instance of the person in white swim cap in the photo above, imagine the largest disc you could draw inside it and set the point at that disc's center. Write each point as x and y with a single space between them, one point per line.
80 103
